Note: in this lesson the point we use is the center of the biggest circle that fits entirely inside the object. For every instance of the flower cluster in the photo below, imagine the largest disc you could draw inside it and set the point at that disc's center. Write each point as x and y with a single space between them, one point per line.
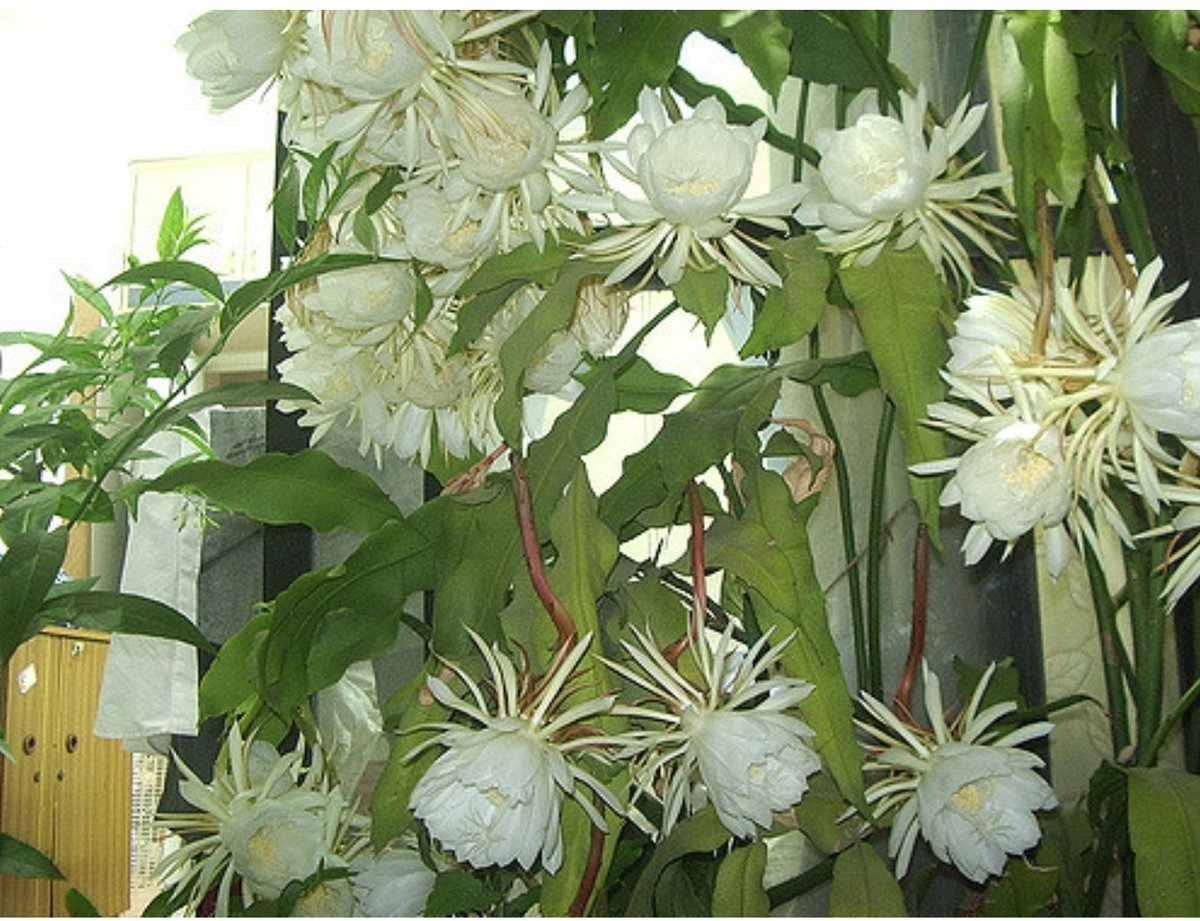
268 819
1106 395
458 119
966 787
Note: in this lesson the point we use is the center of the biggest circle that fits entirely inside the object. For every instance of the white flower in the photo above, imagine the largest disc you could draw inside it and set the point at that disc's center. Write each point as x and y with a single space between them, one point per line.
234 52
438 233
1159 378
265 818
600 316
330 898
1007 484
272 843
966 788
393 884
494 796
694 174
371 55
881 180
751 757
365 298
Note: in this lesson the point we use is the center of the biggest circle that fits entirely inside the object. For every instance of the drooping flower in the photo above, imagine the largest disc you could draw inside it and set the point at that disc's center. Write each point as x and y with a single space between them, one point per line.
694 174
967 787
731 742
393 884
234 52
881 180
265 818
494 795
1159 378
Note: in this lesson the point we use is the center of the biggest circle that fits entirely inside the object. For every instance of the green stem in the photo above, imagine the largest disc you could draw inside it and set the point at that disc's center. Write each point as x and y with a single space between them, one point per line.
1149 753
1134 219
809 879
1110 643
846 513
878 63
978 52
801 121
887 421
1102 859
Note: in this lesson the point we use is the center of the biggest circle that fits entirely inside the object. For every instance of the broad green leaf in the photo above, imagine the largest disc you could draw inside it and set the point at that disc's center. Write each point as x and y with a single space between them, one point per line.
1164 832
460 892
232 394
864 887
824 51
769 549
1044 132
171 226
586 551
314 182
79 905
27 571
696 834
423 300
92 295
174 342
526 264
643 388
849 375
552 313
229 681
1024 891
363 599
117 612
560 889
476 313
897 300
763 43
791 312
818 816
198 276
408 709
20 859
308 488
739 891
1165 35
632 49
704 294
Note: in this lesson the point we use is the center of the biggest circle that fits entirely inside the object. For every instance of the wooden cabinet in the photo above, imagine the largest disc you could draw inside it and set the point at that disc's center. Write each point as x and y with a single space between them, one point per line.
68 793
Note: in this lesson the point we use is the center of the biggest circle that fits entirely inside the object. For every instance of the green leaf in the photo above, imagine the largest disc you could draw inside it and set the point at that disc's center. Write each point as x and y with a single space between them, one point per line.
552 313
763 43
171 226
864 887
792 311
898 299
310 193
423 300
229 681
1044 133
117 612
642 388
824 51
769 549
849 375
364 231
818 816
1165 35
704 294
526 264
198 276
1024 891
587 550
20 859
739 891
92 295
232 394
632 49
409 708
27 571
697 834
1164 832
79 905
459 892
560 889
307 488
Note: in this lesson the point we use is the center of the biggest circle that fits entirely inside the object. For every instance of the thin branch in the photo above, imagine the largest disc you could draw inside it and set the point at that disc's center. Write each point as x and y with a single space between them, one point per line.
591 870
532 549
1108 230
699 590
920 607
1045 231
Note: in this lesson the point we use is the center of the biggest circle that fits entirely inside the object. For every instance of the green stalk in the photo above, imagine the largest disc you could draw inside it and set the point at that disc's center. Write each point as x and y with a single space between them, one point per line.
1148 754
878 63
809 879
875 549
1132 208
978 52
1110 643
846 513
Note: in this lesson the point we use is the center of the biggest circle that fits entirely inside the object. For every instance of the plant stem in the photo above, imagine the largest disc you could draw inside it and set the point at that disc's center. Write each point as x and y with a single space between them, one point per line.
887 421
809 879
591 870
920 608
1045 232
1110 643
846 514
532 549
1134 218
1108 230
875 60
978 52
1148 753
699 590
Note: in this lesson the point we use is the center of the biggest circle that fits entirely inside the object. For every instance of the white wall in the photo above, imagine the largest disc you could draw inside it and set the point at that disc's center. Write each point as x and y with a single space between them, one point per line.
82 93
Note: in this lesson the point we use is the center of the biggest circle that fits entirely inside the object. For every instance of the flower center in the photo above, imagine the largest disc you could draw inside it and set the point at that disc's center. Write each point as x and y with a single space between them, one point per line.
970 798
1029 472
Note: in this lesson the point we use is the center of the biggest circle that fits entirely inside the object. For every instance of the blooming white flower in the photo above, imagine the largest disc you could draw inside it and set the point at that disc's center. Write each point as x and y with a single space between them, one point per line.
234 52
265 818
494 796
393 884
1159 378
366 299
372 54
694 174
752 758
966 787
880 180
1008 483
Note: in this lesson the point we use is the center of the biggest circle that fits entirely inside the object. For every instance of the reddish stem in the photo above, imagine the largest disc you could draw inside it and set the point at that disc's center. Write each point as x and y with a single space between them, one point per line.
533 556
699 591
591 871
920 604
